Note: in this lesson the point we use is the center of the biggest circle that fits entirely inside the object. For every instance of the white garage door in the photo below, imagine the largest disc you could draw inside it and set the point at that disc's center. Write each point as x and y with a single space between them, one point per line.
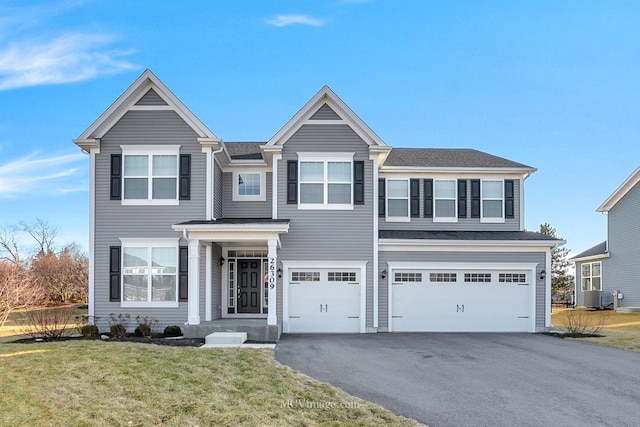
461 300
324 300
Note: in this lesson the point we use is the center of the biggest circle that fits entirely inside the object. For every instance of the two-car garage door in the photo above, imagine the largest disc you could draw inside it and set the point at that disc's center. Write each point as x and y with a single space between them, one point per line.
460 300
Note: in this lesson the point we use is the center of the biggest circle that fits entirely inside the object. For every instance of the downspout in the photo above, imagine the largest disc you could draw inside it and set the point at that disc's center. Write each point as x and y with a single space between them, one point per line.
213 182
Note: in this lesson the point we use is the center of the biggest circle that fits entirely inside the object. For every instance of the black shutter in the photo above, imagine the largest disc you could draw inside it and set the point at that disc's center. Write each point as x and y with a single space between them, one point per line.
358 182
183 273
428 198
116 176
114 273
508 198
414 187
292 182
185 176
462 198
475 198
381 198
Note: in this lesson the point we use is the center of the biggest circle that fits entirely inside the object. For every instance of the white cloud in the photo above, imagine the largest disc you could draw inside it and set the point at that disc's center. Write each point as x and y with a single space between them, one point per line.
70 57
292 19
43 175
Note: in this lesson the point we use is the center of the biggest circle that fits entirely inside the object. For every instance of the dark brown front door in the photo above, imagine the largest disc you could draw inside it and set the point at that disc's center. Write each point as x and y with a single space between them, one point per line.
249 286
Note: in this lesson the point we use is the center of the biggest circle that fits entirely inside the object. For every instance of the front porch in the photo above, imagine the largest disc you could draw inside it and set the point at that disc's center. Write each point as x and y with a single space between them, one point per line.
256 329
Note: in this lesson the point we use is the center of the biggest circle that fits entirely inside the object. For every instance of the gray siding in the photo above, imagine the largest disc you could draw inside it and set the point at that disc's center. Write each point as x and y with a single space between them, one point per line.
216 283
114 221
463 224
325 113
151 98
328 235
217 191
518 257
244 209
620 269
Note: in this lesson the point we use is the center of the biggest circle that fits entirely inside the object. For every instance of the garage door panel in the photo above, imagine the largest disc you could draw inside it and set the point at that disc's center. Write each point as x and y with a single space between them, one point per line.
461 307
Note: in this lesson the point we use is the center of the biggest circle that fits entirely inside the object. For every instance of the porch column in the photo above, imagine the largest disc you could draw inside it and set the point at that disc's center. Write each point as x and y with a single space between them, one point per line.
194 282
272 318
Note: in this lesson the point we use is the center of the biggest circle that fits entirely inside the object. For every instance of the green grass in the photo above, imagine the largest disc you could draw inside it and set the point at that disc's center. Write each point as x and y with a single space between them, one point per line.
94 383
620 330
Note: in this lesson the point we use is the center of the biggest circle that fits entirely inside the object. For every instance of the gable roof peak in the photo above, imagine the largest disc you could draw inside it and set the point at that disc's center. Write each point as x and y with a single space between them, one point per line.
620 192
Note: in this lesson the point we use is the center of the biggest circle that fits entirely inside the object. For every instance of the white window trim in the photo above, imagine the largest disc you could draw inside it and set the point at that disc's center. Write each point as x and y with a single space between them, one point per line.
149 243
482 199
591 276
325 158
388 218
150 150
262 197
454 218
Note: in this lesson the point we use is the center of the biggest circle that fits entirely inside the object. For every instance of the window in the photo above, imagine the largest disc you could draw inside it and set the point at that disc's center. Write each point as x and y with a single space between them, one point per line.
149 273
341 276
325 181
249 186
492 201
305 276
477 277
397 200
150 175
443 277
407 277
592 276
512 278
445 200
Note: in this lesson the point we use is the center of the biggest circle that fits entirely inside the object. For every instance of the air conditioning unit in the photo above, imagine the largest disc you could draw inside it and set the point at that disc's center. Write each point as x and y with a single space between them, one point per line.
592 299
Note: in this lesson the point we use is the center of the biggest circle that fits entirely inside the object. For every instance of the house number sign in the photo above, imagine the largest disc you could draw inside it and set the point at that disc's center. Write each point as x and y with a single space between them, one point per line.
272 273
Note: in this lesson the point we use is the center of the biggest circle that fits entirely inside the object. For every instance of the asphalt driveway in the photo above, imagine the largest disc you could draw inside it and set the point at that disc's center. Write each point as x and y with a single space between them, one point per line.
476 379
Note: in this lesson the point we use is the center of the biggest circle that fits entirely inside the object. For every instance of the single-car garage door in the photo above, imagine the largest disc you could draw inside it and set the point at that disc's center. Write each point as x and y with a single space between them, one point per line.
456 300
324 300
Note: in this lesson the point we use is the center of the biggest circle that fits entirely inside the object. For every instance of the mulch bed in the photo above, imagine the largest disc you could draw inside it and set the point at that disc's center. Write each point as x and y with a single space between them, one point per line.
158 340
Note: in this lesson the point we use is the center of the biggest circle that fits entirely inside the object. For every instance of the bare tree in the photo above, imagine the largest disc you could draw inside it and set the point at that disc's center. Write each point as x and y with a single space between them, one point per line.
9 250
16 290
63 276
43 233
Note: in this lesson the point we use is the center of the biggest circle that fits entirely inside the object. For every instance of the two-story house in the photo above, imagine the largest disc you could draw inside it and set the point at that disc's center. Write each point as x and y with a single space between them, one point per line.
322 228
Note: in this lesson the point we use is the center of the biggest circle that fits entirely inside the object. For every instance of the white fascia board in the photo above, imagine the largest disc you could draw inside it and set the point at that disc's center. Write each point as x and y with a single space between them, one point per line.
326 95
589 258
620 192
412 245
417 265
457 171
131 95
88 144
237 228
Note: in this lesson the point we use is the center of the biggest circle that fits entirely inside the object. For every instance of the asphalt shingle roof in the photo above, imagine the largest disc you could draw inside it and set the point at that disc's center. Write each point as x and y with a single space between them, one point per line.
448 158
599 249
464 235
244 150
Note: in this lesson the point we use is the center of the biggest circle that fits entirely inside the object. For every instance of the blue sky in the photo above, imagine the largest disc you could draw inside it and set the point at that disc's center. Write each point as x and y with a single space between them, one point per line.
554 85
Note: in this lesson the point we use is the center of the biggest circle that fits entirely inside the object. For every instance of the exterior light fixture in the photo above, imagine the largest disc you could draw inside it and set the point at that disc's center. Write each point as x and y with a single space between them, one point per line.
221 261
279 273
543 274
384 274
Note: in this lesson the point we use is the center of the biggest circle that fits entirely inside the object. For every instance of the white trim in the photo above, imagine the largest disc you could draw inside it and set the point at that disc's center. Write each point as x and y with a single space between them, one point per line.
150 149
272 262
208 182
207 281
92 234
470 171
443 266
620 192
376 225
150 107
150 241
274 185
288 265
325 122
547 290
193 305
590 258
521 210
388 218
419 245
249 198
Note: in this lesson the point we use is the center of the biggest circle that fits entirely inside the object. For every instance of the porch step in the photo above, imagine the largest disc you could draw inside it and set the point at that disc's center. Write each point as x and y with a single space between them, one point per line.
226 338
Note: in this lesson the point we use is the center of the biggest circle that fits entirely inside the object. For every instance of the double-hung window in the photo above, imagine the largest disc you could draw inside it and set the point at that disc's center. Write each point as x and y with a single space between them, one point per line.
149 273
445 200
397 200
492 194
325 181
592 276
150 175
249 186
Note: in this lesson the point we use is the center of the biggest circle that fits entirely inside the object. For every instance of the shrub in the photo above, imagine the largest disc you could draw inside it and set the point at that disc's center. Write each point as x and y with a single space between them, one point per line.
48 323
89 331
172 331
118 324
146 326
578 324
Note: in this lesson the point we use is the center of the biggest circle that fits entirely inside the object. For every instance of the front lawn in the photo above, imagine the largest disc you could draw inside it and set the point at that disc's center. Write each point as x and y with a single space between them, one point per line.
620 330
94 383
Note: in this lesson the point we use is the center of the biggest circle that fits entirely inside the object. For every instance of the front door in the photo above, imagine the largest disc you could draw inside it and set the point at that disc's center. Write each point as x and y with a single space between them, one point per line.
249 286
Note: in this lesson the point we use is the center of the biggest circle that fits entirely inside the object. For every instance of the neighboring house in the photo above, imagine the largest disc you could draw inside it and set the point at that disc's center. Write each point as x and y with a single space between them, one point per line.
322 228
610 266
